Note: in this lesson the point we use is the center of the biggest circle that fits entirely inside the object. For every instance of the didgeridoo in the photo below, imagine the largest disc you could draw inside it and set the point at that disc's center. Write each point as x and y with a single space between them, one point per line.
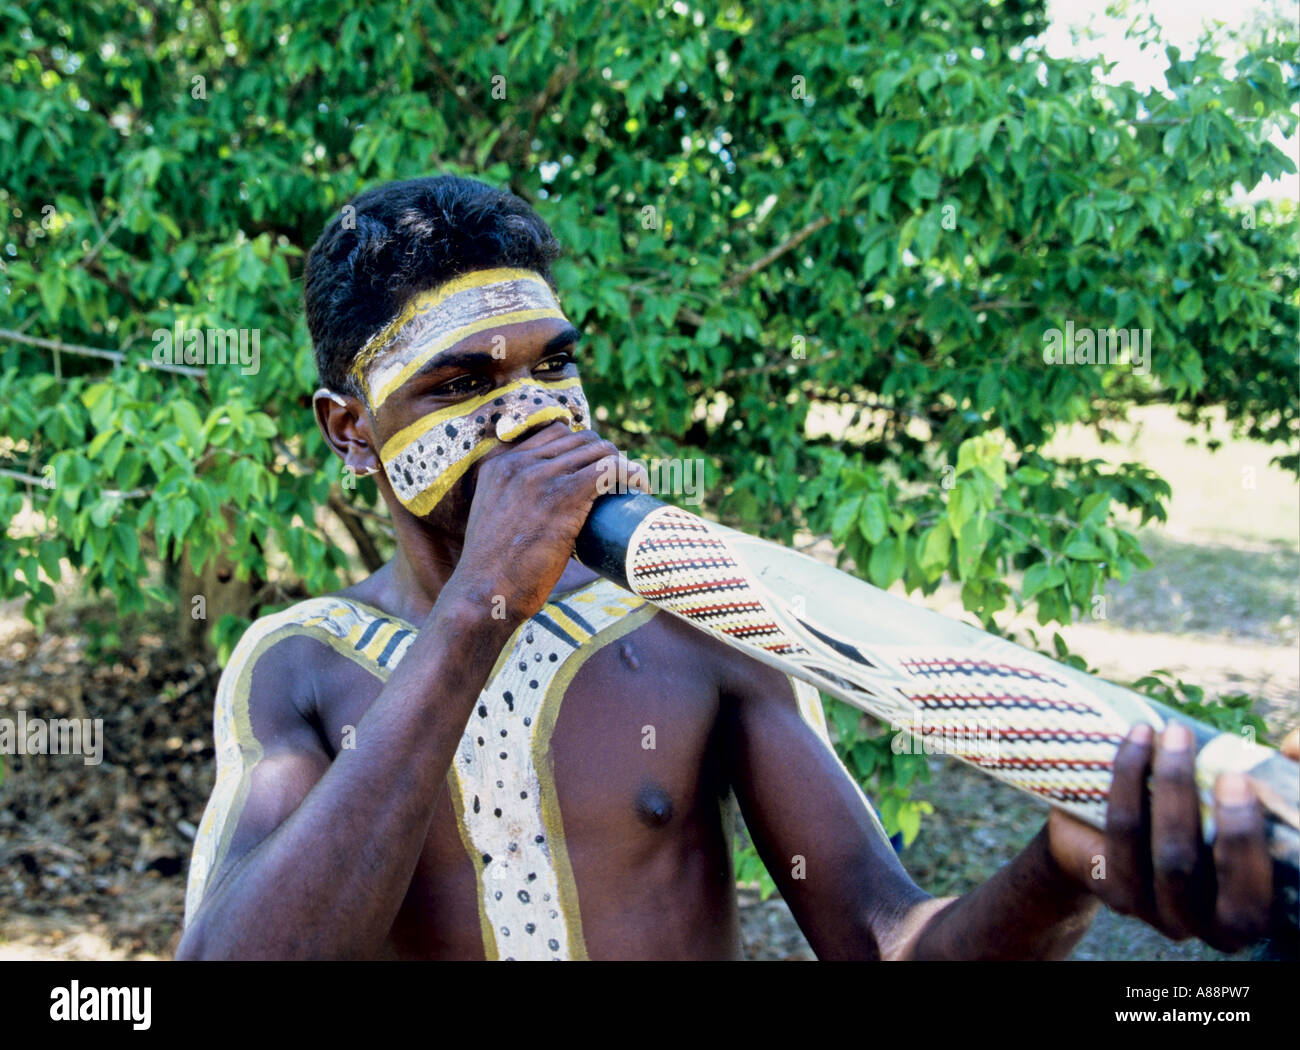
1045 728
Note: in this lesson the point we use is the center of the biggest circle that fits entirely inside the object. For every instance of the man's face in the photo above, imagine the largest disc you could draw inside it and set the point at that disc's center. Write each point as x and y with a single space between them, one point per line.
465 370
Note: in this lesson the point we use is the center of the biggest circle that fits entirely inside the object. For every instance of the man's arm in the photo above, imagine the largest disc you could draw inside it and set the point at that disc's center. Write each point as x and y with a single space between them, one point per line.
836 868
330 847
324 851
1150 861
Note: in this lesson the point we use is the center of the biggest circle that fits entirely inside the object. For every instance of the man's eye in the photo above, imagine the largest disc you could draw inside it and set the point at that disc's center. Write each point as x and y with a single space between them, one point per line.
465 384
555 363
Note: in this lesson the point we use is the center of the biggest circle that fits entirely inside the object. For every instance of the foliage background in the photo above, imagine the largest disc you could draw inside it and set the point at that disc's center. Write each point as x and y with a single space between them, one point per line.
775 216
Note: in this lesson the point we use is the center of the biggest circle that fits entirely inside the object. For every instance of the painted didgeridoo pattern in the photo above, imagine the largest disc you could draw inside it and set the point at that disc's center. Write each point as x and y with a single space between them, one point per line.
1019 716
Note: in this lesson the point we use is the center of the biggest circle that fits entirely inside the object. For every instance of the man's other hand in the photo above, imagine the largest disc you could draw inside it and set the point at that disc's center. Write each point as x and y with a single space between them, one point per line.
1152 862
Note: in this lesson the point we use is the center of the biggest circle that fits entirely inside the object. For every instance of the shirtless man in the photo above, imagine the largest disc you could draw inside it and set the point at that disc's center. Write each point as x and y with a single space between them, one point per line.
486 751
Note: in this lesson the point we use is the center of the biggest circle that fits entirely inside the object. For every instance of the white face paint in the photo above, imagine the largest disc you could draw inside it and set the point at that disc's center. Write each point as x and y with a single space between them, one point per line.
425 459
438 319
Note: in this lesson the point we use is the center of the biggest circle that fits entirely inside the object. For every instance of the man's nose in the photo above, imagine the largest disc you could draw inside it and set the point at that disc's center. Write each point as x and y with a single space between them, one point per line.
529 409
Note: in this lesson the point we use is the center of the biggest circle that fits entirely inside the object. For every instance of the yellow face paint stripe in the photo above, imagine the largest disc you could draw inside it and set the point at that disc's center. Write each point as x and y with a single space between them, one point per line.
378 397
542 415
428 499
432 298
412 433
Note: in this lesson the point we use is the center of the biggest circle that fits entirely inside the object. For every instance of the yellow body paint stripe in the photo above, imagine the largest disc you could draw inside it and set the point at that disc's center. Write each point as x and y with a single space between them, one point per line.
544 762
381 639
457 792
576 632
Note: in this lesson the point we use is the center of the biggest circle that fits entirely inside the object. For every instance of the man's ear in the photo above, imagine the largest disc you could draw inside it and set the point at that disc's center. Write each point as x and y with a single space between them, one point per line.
345 423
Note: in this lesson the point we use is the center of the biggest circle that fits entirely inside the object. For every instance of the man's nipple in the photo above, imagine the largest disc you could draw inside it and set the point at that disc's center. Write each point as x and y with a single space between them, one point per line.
654 806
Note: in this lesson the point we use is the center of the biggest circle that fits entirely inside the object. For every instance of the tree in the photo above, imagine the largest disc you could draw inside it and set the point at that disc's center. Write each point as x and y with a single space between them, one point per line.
771 212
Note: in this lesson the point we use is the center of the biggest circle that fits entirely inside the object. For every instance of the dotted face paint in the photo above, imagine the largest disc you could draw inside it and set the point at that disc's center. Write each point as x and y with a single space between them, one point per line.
424 460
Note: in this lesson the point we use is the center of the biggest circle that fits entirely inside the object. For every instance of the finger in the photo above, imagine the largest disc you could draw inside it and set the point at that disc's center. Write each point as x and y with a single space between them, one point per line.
599 476
544 435
1242 866
1079 850
638 478
1291 745
591 452
1176 835
567 441
1127 887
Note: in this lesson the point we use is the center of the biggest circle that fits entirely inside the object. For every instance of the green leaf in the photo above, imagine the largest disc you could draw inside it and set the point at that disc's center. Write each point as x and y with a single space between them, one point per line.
963 150
1080 547
925 183
187 418
936 547
962 503
872 520
974 535
1039 577
1030 476
1085 223
1190 306
845 515
1095 508
48 556
888 560
101 513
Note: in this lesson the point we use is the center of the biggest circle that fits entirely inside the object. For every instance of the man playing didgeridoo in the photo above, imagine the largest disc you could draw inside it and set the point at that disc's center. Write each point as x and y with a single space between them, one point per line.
486 751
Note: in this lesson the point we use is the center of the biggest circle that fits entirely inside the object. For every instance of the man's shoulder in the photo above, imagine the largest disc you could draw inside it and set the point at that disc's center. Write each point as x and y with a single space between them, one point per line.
292 638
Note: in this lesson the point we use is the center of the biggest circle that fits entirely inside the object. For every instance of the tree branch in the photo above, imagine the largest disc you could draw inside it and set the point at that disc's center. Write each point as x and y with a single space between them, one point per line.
93 254
32 479
370 556
90 351
789 244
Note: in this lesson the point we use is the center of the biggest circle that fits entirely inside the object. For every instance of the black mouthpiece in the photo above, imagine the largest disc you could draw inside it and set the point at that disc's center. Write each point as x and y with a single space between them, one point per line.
602 544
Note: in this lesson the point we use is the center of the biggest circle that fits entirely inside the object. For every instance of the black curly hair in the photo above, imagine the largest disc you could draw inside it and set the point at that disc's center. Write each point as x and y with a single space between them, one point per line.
402 238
